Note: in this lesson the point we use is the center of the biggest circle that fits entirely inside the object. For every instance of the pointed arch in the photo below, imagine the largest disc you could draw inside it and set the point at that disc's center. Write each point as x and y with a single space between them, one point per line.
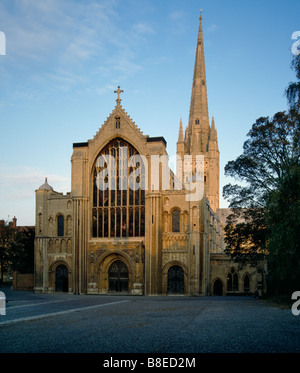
246 283
232 280
119 176
217 287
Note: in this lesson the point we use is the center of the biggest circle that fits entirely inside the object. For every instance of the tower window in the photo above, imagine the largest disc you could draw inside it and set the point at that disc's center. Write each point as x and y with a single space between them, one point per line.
176 221
60 225
197 121
118 120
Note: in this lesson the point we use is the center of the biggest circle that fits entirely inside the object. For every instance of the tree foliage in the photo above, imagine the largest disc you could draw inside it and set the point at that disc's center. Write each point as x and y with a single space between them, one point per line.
283 220
7 241
245 235
16 250
293 89
271 149
21 255
265 204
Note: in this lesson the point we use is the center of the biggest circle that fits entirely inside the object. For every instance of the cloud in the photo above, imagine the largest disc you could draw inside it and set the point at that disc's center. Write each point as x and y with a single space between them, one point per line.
178 21
143 28
177 15
212 28
21 182
17 191
47 37
105 89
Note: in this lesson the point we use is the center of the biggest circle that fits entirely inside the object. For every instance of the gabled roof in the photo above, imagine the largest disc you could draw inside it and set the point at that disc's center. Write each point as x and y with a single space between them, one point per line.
119 111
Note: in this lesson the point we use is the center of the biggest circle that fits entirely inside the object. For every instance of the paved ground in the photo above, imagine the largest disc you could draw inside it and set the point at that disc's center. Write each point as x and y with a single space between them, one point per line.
65 323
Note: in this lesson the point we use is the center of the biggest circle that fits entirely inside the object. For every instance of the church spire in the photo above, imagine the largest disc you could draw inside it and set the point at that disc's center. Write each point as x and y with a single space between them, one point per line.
198 119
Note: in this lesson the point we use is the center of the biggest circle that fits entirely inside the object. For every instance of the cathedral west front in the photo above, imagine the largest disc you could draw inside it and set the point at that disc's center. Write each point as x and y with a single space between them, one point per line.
130 225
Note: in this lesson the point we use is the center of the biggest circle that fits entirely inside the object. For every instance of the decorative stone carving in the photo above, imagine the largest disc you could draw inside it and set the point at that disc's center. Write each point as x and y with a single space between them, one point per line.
51 227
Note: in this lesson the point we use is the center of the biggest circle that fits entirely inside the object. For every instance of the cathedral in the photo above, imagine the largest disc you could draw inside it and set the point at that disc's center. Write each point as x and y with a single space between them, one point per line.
130 225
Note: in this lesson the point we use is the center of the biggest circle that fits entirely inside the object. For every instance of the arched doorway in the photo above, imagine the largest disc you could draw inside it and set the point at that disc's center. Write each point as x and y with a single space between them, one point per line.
61 278
175 280
118 277
218 287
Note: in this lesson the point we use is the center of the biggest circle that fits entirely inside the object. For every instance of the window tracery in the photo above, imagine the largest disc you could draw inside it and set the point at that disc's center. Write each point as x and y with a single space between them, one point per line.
118 192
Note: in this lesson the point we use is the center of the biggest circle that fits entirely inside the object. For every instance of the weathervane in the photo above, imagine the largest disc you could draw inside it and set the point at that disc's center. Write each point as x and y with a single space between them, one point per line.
118 91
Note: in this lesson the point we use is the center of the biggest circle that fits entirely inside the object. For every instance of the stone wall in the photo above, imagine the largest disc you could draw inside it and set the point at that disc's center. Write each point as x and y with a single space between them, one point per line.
23 281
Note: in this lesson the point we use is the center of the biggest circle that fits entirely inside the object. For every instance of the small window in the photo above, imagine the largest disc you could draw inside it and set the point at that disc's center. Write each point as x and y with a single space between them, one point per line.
118 122
197 121
60 225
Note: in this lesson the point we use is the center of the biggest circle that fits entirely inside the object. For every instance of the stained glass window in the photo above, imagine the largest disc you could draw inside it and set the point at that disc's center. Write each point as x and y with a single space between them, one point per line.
118 192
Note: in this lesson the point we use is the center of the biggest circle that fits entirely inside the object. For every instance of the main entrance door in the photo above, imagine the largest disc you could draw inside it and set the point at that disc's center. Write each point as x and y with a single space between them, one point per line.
61 278
175 280
118 277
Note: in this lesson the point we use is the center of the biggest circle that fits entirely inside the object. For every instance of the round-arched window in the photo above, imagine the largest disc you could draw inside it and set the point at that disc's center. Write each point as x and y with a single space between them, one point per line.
176 221
60 225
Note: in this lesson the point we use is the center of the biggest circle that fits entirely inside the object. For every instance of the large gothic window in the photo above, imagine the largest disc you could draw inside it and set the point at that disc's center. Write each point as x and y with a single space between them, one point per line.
118 191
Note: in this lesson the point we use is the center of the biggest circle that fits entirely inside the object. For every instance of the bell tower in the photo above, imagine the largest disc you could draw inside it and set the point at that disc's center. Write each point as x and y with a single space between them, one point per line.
201 137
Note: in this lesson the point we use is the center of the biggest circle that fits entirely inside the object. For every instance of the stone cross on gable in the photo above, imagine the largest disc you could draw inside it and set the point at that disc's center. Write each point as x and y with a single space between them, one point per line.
118 91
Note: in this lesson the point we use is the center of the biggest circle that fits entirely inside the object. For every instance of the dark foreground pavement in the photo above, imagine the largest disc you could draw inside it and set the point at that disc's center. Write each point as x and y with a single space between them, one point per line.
65 323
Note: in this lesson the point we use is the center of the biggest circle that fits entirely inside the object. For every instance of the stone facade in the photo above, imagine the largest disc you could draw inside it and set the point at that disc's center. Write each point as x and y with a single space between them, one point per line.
136 227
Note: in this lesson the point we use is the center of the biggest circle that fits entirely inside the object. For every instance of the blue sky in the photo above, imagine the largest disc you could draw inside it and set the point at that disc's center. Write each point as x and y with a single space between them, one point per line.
65 58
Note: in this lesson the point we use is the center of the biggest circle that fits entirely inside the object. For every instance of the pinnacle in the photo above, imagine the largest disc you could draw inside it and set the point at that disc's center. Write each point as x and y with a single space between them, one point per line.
180 135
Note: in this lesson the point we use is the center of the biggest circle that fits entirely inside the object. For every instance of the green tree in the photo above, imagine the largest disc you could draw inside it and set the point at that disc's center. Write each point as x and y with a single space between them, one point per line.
293 89
266 201
283 220
21 254
16 250
7 242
